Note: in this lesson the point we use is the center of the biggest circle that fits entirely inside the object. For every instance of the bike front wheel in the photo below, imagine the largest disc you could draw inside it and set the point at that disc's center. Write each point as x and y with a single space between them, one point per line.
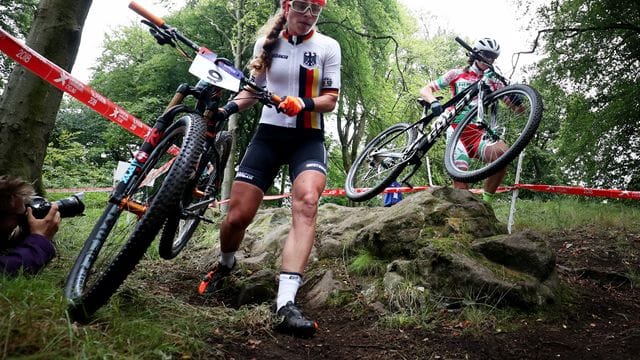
125 230
478 149
193 204
382 160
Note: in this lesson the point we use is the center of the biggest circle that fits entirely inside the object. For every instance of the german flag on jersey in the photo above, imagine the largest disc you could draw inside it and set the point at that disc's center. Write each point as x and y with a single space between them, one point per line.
309 88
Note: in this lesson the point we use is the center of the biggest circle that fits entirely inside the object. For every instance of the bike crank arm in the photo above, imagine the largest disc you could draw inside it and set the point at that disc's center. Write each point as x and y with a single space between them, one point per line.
188 215
199 205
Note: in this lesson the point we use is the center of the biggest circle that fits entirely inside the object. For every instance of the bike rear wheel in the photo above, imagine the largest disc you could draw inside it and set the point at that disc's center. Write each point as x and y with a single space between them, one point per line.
382 160
186 218
511 117
120 238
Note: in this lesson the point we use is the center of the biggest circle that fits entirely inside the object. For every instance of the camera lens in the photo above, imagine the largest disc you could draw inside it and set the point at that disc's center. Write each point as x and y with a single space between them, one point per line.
71 206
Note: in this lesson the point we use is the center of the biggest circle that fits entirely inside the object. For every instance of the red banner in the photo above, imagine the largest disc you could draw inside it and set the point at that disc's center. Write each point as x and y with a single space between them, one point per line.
560 189
61 79
576 190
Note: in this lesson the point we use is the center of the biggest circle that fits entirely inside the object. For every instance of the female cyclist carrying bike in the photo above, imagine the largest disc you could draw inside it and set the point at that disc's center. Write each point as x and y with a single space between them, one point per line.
292 59
457 80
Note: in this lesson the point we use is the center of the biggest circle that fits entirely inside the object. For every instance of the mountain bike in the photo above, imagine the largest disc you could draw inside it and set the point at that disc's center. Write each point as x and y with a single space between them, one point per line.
508 117
171 181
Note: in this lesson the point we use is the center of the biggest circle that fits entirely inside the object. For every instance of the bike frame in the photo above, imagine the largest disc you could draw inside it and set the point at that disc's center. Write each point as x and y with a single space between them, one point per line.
414 153
208 98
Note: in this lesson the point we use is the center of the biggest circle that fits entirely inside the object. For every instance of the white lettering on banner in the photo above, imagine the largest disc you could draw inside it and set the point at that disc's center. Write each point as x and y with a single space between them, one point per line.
76 84
71 89
119 116
98 97
24 56
115 113
62 79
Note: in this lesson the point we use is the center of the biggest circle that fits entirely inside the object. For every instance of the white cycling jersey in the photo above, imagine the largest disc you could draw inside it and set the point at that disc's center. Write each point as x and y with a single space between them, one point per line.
304 66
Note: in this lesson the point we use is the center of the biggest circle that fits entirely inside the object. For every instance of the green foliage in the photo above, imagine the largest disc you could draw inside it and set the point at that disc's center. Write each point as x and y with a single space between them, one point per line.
16 18
71 164
593 55
340 298
400 321
131 330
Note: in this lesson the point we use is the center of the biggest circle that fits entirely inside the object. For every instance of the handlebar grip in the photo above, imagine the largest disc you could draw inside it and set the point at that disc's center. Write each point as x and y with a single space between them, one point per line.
276 99
156 20
464 44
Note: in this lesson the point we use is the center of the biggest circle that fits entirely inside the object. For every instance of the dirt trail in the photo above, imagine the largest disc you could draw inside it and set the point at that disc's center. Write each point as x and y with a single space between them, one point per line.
600 320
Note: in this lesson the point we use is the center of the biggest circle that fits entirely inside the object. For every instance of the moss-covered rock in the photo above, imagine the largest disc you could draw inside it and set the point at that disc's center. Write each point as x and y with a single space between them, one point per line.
442 242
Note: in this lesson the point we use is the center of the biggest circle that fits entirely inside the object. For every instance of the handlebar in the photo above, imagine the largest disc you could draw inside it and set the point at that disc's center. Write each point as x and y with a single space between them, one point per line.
166 34
156 20
266 97
464 44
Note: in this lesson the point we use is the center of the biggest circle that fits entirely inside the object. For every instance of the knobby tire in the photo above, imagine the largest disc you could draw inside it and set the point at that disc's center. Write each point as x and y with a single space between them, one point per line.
180 227
516 129
85 300
380 163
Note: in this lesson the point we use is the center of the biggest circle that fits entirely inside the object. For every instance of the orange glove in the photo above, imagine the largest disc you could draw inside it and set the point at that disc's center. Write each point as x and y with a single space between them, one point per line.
291 105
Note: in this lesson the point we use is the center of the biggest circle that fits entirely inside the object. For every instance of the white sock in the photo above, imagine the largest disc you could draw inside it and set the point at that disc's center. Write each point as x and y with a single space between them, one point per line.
287 288
228 259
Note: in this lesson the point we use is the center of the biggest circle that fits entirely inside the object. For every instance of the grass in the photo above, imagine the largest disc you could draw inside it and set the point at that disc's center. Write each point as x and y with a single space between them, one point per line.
569 212
366 264
134 325
143 323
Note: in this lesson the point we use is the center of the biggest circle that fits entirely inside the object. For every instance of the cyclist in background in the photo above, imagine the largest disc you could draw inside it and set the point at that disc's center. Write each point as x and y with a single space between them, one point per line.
458 80
292 59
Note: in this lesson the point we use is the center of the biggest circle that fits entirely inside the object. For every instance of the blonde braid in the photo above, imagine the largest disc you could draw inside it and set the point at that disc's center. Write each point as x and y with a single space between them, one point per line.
272 28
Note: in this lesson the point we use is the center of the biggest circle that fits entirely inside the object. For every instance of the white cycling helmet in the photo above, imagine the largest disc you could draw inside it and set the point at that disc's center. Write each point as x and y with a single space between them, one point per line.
487 44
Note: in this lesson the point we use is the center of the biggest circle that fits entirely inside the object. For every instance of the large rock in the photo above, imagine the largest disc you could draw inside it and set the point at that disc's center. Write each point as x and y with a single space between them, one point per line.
524 251
442 242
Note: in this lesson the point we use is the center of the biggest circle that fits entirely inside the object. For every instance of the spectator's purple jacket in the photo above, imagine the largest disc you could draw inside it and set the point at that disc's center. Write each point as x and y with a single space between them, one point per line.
32 255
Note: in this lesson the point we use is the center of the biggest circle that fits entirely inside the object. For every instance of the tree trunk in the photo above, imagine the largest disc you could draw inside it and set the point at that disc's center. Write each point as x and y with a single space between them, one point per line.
29 105
237 47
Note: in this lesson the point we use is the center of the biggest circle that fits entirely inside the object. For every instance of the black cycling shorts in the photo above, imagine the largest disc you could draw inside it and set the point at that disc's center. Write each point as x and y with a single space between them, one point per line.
273 146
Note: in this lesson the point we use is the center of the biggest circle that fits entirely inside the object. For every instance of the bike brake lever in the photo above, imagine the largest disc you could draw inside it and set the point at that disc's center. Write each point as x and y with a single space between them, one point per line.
160 35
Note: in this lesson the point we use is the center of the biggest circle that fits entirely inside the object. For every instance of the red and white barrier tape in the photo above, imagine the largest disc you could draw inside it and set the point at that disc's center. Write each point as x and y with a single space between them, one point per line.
574 190
61 79
559 189
58 77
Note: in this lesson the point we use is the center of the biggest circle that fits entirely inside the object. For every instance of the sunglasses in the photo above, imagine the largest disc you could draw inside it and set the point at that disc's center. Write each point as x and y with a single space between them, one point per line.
302 7
488 55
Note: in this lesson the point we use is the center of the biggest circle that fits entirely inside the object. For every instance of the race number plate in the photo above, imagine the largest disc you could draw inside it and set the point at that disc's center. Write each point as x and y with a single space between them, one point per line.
223 75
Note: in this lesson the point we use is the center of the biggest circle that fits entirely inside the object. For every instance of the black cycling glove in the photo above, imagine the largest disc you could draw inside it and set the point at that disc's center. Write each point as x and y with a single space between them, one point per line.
436 108
224 112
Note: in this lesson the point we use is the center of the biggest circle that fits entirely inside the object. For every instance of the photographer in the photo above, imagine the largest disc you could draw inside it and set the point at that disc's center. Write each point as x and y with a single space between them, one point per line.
25 241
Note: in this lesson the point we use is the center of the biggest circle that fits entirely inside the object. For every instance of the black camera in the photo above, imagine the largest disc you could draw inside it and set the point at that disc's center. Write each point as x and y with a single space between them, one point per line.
71 206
